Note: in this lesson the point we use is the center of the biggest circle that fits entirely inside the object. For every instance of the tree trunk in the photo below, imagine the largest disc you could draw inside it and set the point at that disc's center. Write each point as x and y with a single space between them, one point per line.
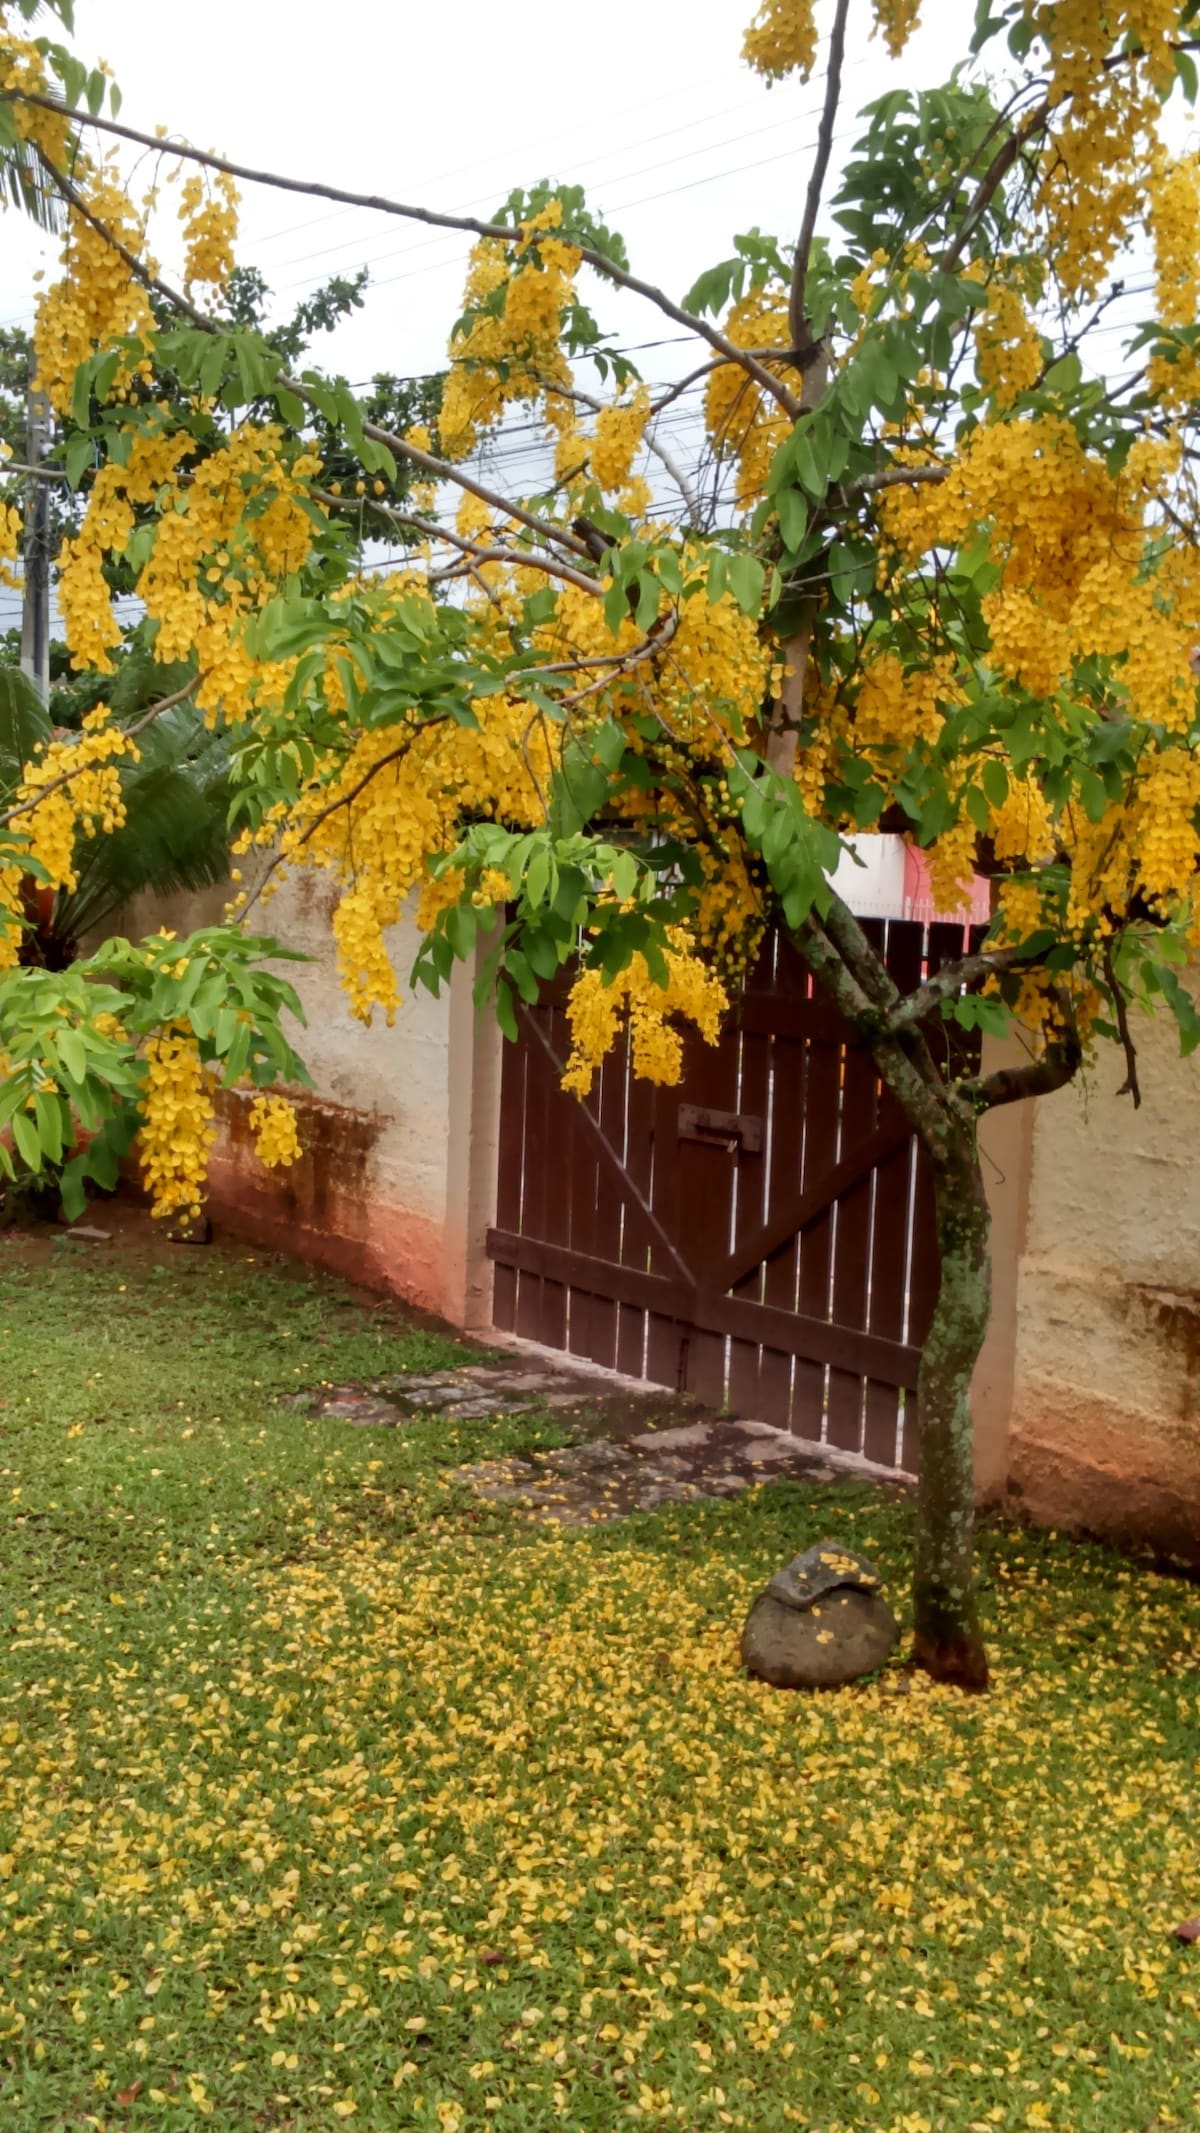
947 1641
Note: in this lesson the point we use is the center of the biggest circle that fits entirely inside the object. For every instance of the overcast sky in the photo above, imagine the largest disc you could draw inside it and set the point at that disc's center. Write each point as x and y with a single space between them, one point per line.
649 107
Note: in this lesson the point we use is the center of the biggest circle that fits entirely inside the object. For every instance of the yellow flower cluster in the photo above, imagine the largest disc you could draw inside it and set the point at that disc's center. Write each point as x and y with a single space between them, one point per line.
90 623
597 1013
10 543
1166 846
395 803
895 21
782 39
742 421
236 529
208 210
1175 226
276 1138
177 1128
620 428
1008 352
1069 538
895 706
11 915
952 863
513 352
1022 829
89 803
1109 68
97 301
23 68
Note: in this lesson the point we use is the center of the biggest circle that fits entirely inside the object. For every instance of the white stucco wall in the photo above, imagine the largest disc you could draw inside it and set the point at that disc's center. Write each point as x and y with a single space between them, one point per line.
393 1186
1105 1424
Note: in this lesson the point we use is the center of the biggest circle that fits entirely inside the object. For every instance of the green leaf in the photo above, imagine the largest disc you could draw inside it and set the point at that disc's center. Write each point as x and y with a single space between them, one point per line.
995 782
506 1013
78 456
746 578
292 409
1093 794
649 600
792 509
48 1111
26 1139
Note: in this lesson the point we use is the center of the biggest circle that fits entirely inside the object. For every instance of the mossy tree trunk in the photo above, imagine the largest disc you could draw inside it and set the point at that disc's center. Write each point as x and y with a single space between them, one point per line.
944 1113
947 1641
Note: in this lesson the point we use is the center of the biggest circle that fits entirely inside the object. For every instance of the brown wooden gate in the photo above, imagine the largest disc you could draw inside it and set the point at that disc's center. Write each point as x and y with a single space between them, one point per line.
761 1236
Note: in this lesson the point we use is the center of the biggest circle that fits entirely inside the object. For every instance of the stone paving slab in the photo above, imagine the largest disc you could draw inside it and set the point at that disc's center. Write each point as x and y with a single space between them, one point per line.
619 1462
591 1483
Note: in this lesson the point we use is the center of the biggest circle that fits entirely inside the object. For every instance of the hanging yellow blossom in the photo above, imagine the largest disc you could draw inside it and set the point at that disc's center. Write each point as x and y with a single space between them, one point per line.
276 1138
177 1129
782 39
743 422
620 428
208 211
597 1012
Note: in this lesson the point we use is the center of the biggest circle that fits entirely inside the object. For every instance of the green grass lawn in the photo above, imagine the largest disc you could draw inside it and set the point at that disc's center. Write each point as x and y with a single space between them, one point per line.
329 1795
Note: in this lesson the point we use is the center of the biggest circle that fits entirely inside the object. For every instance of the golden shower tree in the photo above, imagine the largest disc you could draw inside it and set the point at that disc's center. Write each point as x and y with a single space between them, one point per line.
927 571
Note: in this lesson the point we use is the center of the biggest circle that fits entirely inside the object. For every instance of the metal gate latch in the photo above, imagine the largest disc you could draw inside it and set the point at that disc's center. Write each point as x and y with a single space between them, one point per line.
726 1130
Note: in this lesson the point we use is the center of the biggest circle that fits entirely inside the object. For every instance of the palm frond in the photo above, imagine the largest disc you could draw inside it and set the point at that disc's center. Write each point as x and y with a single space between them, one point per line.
24 725
25 181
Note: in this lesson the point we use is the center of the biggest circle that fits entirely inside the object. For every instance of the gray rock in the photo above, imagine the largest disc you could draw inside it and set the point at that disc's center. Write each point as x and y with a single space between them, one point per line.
820 1623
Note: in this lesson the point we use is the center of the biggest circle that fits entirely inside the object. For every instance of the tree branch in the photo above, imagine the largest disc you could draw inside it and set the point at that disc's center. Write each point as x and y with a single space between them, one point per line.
440 469
952 978
1002 162
378 203
1130 1086
797 314
1059 1064
481 552
930 1106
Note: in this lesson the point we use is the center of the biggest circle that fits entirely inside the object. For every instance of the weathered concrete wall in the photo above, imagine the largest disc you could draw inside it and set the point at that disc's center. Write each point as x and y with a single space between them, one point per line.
399 1131
1104 1431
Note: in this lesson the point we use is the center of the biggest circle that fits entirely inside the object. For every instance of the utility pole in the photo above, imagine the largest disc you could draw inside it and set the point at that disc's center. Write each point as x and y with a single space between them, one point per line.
35 604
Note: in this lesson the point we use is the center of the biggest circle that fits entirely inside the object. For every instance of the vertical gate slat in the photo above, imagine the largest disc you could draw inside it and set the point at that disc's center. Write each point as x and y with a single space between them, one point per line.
852 1248
666 1338
822 1110
606 1215
891 1241
631 1320
757 1386
554 1173
788 1070
706 1189
580 1165
510 1167
538 1098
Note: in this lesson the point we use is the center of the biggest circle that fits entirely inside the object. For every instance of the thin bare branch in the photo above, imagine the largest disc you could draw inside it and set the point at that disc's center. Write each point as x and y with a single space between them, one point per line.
798 324
891 478
378 203
1130 1086
439 469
